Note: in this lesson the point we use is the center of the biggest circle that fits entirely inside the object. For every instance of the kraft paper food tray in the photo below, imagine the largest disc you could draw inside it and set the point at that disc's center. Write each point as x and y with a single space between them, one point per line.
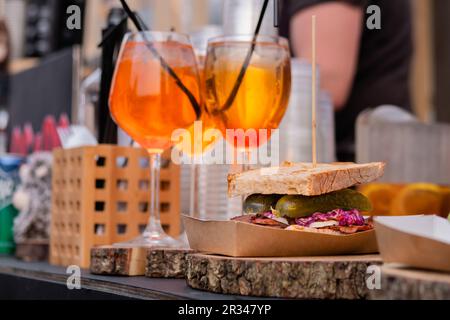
238 239
417 241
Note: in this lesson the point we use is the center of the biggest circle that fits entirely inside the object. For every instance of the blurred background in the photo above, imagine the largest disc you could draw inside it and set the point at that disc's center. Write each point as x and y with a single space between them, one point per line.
36 29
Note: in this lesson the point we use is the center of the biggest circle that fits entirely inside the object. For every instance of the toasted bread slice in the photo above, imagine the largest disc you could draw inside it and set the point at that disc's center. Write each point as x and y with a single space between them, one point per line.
303 179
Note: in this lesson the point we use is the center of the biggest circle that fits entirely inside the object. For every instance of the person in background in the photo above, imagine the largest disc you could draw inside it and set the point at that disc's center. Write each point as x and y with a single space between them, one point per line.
4 61
5 47
361 68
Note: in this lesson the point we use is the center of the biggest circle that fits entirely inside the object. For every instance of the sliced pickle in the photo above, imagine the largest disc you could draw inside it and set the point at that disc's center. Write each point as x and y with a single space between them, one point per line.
260 203
302 206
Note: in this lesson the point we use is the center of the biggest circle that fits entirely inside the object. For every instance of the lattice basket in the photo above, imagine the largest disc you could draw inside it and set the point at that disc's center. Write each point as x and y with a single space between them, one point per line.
100 196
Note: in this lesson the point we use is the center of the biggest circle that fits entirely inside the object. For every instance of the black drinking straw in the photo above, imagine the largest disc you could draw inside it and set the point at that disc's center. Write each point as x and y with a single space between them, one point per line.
246 64
140 25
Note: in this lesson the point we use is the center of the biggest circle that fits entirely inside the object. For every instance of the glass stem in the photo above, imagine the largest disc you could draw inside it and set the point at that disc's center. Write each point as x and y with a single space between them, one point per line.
154 228
193 191
246 166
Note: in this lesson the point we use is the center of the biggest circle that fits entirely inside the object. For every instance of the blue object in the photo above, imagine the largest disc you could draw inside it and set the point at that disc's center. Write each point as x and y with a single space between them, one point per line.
10 162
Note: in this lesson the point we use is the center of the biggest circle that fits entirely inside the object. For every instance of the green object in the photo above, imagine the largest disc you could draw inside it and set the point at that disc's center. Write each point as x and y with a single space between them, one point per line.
301 206
260 203
7 216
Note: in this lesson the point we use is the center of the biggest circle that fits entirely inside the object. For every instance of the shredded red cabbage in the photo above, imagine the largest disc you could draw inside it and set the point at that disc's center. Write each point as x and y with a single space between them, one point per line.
343 217
269 215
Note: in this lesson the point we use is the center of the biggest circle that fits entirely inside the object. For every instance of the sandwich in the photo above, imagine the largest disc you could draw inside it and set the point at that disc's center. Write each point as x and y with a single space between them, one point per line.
301 197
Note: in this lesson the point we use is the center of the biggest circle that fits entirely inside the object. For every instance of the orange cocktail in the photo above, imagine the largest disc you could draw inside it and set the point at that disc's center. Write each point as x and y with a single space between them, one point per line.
263 96
146 102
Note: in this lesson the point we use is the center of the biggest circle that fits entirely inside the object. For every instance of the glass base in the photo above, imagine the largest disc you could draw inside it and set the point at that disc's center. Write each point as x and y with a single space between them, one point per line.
151 240
183 239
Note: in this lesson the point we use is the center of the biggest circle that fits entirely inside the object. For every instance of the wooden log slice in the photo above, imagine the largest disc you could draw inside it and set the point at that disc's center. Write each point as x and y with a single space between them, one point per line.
303 278
399 283
167 263
118 261
154 263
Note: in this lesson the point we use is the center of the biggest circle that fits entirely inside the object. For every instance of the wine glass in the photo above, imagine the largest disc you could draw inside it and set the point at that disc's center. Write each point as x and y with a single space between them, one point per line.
155 91
248 85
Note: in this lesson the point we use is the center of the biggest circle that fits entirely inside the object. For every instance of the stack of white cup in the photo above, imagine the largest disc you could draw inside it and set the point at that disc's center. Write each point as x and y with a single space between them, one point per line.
212 192
296 127
241 17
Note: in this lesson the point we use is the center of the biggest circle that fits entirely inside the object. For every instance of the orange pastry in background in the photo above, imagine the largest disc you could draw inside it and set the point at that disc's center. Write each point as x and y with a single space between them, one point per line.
417 199
381 196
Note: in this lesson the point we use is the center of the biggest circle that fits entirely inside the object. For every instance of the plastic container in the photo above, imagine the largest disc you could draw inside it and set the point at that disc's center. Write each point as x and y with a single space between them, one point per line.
9 179
7 216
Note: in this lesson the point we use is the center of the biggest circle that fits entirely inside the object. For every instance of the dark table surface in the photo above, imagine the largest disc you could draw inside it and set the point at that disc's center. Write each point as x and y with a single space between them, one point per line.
39 280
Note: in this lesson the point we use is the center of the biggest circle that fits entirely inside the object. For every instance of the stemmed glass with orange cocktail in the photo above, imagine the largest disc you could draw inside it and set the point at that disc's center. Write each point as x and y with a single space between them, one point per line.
248 84
155 91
